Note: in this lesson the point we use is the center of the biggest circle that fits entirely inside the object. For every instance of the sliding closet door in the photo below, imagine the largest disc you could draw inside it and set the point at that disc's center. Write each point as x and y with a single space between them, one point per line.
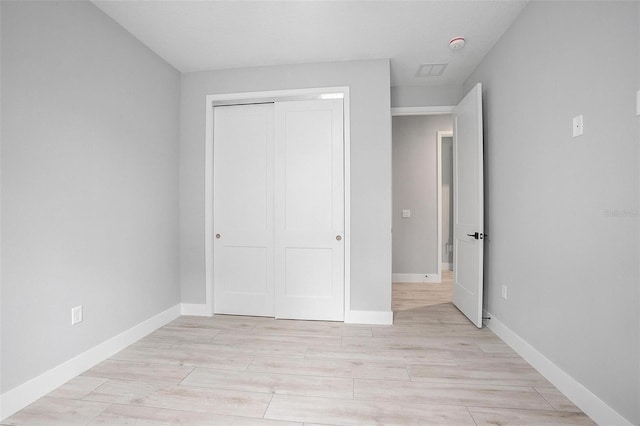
243 189
309 206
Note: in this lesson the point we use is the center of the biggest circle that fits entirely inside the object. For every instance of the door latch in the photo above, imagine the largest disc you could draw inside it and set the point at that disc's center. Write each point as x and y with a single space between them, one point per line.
476 235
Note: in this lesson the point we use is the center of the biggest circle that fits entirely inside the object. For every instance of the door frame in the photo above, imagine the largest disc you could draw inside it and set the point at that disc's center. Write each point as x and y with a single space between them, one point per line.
425 111
262 97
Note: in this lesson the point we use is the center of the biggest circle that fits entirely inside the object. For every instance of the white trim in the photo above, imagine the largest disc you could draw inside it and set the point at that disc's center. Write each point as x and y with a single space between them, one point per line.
439 200
371 317
208 178
447 266
346 117
23 395
594 407
417 278
208 206
195 309
279 95
423 110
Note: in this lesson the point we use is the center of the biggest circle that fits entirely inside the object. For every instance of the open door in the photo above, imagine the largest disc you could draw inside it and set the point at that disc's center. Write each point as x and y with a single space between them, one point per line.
468 206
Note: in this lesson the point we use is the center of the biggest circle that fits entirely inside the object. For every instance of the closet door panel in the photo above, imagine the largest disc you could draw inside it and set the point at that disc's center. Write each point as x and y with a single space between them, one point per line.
243 210
309 206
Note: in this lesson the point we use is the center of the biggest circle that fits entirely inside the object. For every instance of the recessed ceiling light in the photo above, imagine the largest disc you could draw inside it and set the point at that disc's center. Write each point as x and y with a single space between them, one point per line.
430 70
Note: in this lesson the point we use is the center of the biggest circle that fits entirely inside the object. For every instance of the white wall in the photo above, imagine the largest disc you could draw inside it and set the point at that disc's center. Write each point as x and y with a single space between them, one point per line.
570 263
370 167
89 183
415 187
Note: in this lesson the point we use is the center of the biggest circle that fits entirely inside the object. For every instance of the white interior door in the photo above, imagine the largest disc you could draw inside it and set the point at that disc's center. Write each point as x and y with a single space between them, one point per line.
309 201
468 206
243 188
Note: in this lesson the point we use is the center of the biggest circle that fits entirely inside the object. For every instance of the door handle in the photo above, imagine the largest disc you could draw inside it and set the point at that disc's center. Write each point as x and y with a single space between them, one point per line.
476 235
338 237
217 236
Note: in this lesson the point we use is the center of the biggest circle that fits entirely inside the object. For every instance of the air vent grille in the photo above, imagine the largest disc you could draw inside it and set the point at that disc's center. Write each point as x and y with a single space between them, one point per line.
430 70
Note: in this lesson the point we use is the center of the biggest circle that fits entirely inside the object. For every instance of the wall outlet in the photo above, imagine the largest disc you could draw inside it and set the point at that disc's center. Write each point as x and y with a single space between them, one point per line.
406 213
578 126
504 292
76 315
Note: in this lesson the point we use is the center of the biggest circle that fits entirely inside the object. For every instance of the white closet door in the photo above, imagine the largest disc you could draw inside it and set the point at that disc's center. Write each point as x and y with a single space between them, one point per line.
309 206
243 210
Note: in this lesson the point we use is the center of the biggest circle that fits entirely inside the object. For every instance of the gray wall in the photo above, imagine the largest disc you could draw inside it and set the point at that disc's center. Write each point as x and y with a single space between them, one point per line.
415 187
370 167
1 201
90 128
569 261
416 96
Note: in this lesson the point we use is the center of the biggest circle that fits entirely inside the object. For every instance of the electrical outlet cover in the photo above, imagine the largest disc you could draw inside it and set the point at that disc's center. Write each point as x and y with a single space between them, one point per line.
578 126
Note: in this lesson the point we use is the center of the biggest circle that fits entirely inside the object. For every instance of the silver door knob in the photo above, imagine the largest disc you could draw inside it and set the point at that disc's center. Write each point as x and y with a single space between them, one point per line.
338 237
218 236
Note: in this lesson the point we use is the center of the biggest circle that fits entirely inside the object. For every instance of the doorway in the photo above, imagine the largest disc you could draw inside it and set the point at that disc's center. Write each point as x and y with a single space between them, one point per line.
468 203
422 147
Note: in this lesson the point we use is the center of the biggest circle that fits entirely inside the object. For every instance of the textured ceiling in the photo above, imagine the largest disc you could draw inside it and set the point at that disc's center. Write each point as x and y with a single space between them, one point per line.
206 35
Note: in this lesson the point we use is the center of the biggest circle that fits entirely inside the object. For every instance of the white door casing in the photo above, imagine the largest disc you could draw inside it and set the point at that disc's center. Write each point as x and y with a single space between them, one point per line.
243 209
468 205
309 205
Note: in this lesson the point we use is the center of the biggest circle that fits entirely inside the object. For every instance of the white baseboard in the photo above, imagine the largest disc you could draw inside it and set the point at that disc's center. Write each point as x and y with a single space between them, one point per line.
370 317
447 266
584 399
416 278
23 395
196 309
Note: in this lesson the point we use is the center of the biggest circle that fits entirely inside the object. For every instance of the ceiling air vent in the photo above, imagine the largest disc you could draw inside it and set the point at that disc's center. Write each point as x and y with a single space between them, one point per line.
430 70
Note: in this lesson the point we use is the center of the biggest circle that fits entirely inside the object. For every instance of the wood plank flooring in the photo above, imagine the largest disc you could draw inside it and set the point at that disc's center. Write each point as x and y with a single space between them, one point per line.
431 367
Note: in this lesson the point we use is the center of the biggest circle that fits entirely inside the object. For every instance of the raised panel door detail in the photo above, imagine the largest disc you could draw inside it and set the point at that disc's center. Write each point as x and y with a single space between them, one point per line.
246 270
308 192
312 275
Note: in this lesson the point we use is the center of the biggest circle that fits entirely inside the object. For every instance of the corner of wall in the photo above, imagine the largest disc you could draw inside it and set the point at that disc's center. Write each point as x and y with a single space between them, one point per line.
586 400
16 399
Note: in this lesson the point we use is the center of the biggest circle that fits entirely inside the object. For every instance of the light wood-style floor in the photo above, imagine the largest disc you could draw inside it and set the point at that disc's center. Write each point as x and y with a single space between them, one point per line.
431 367
407 296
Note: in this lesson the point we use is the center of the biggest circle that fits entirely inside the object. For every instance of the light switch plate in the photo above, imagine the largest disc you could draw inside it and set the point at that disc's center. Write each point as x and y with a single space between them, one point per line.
76 315
406 213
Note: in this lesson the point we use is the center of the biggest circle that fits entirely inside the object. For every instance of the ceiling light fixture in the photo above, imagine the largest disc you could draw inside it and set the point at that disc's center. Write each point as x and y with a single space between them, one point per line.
456 43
